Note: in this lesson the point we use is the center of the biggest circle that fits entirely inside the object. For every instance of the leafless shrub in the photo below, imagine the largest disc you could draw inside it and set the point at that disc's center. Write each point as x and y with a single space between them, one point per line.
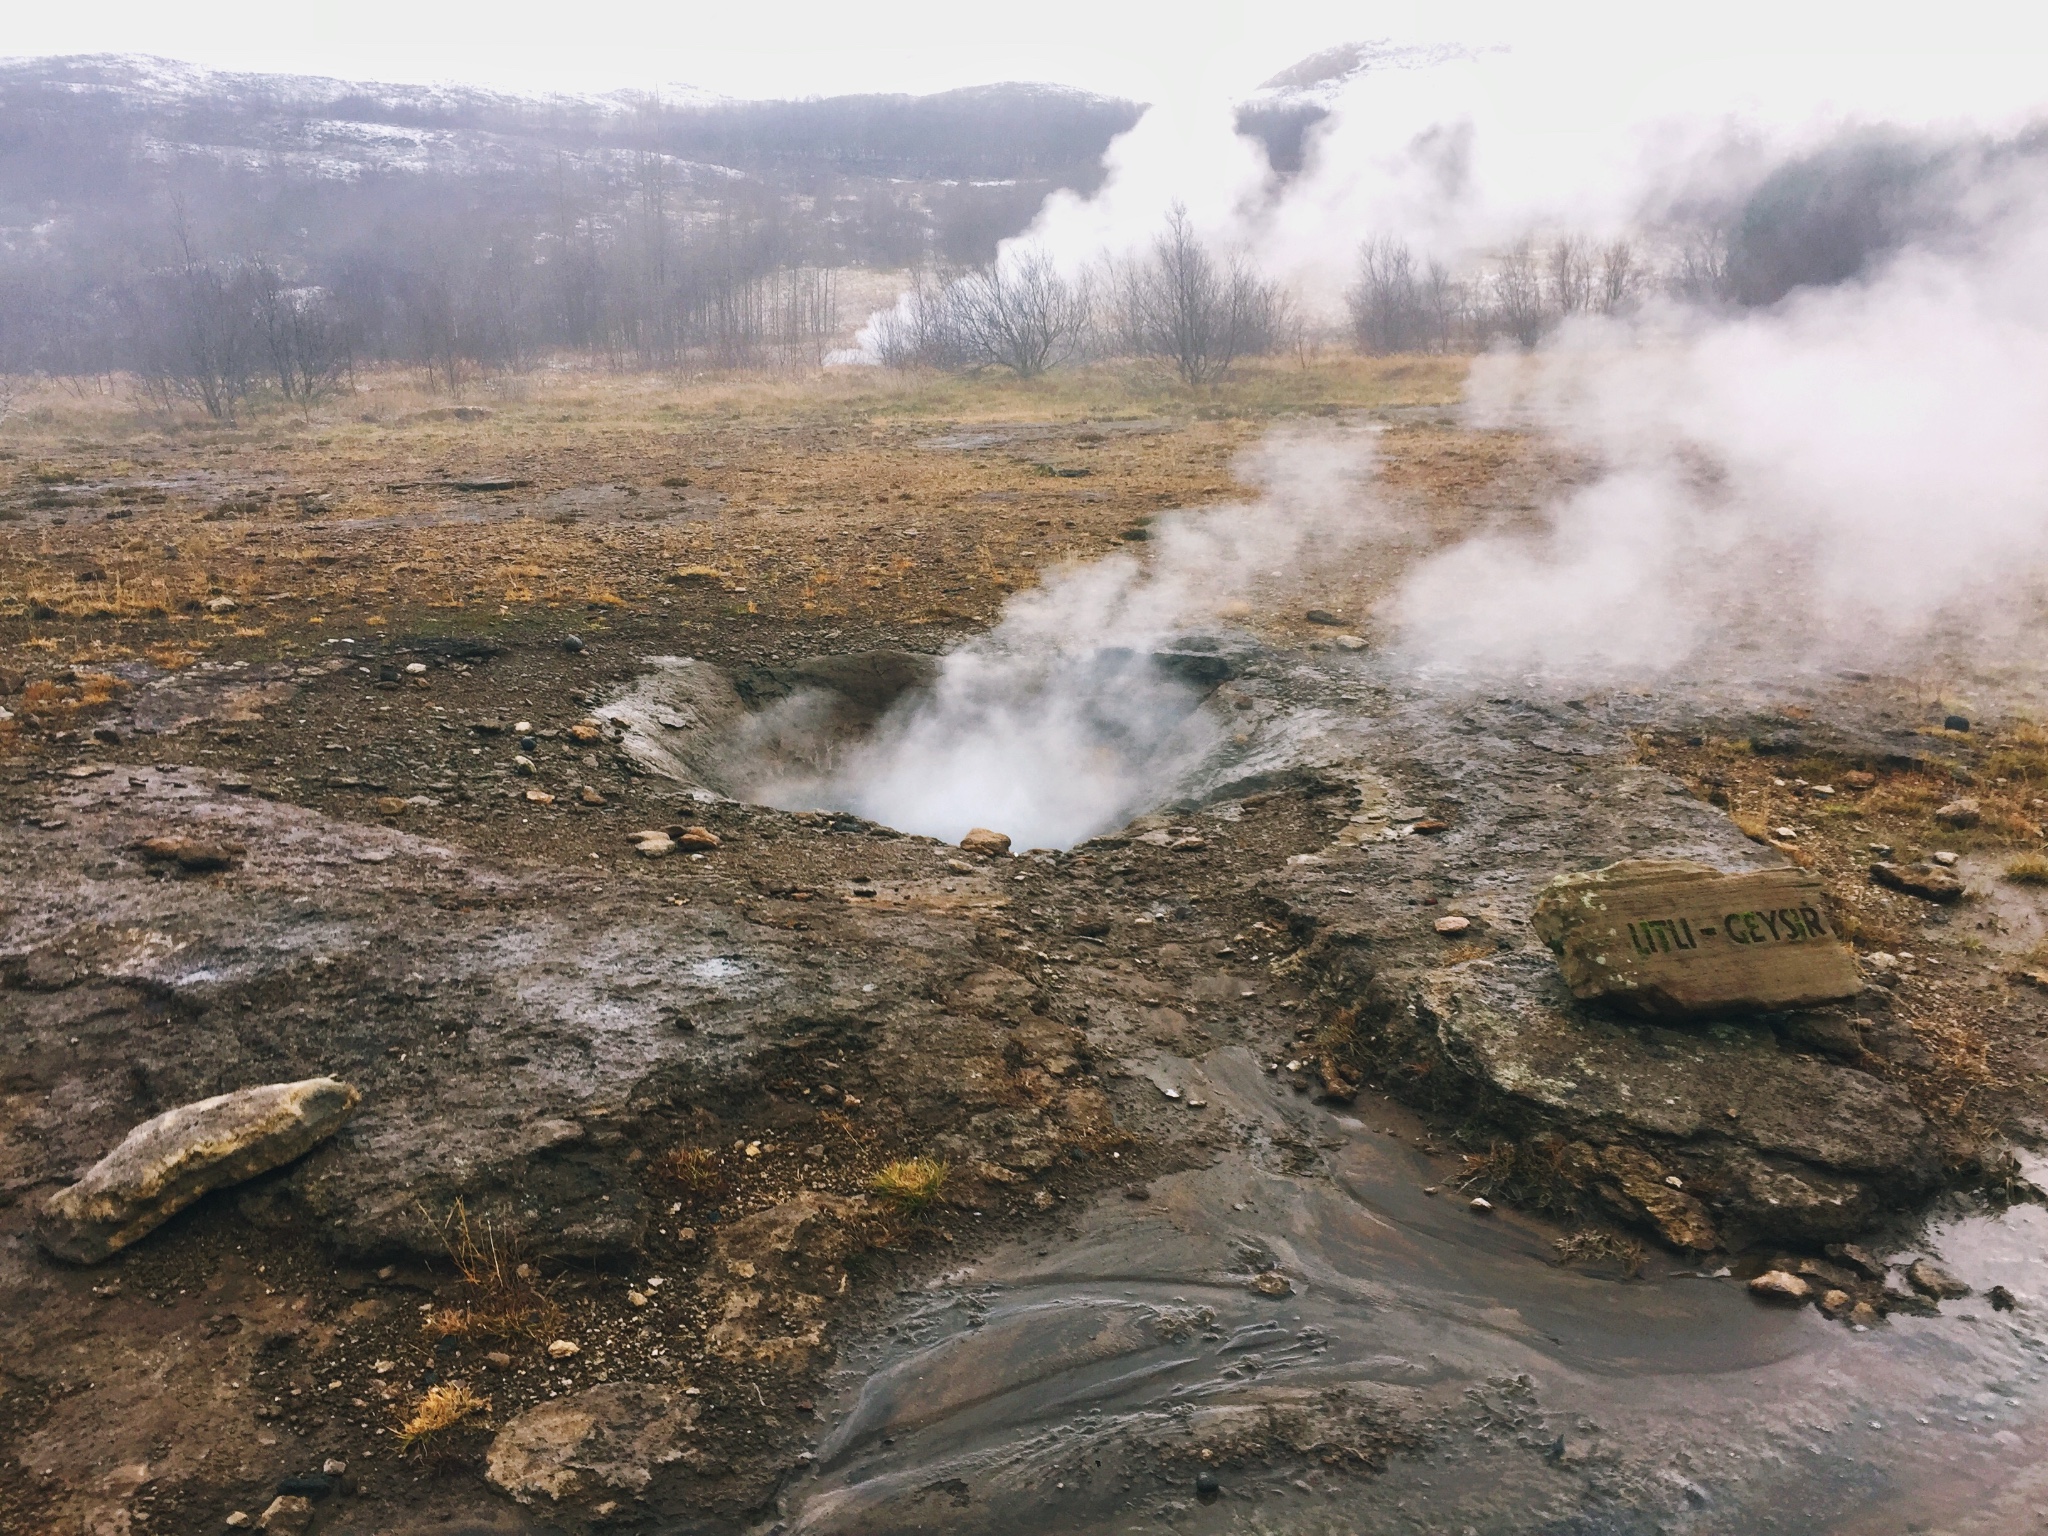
1201 314
1020 313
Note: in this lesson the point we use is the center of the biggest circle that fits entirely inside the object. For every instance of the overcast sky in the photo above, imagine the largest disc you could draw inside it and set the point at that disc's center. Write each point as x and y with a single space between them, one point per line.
1142 48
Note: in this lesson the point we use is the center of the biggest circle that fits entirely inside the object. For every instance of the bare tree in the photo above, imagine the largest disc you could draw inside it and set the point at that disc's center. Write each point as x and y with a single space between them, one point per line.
302 337
1702 274
1020 313
1202 315
1621 277
1571 276
1388 309
1444 297
1518 295
922 331
13 389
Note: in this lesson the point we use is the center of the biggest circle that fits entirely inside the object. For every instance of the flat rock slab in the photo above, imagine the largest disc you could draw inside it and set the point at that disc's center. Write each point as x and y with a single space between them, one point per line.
607 1441
1668 938
1775 1144
164 1164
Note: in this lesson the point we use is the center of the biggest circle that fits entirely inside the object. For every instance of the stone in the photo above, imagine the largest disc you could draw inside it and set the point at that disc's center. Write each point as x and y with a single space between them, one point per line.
563 1349
1836 1303
1930 1279
1273 1283
1778 1286
1350 642
572 644
1857 778
1960 813
1206 1486
189 853
390 805
238 1519
589 796
539 797
1857 1258
1955 722
1448 925
612 1438
1930 882
287 1512
1945 859
498 1360
524 764
1669 938
1864 1315
164 1164
311 1485
586 731
334 1466
1638 1188
2001 1299
982 840
656 847
1324 617
698 839
1796 1147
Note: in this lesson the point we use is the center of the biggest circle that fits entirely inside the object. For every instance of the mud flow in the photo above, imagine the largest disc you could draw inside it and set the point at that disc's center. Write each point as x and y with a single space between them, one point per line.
826 1074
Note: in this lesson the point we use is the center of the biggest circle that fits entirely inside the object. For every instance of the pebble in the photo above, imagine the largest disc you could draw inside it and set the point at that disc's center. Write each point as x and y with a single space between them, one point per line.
498 1360
1453 924
983 840
1481 1204
540 797
1944 858
1322 616
390 805
239 1518
2001 1299
1955 723
1273 1283
415 667
1864 1315
562 1349
524 764
572 644
697 837
1350 643
334 1466
1206 1486
1964 811
1777 1285
636 1298
1856 778
590 796
1930 1279
659 847
522 727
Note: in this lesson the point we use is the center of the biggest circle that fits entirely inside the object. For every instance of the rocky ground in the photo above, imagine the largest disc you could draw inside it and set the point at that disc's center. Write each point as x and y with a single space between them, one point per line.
331 749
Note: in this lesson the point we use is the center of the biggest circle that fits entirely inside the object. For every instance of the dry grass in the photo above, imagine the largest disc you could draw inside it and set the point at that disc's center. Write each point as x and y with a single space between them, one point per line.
502 1296
2028 869
1531 1177
911 1184
1589 1245
437 1411
697 1170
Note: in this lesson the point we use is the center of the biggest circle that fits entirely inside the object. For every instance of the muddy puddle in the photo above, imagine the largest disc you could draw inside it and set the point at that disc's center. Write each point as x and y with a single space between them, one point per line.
1431 1367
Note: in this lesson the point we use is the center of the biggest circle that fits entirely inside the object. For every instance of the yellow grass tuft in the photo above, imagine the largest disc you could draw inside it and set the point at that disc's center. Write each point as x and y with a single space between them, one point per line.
2028 869
911 1184
438 1410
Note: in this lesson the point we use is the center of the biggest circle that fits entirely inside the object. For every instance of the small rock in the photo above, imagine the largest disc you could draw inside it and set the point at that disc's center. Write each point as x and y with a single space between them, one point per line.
586 731
1836 1303
636 1298
539 797
1481 1205
1206 1486
498 1360
562 1349
1273 1283
415 668
1955 722
334 1466
1452 924
488 727
390 805
1930 1279
1137 1192
1323 616
1858 1259
982 840
524 764
2001 1299
164 1164
696 837
1960 813
188 853
220 605
529 743
1777 1285
238 1519
313 1485
1350 643
1856 778
1864 1315
1945 859
522 727
572 644
287 1512
1927 881
655 847
590 796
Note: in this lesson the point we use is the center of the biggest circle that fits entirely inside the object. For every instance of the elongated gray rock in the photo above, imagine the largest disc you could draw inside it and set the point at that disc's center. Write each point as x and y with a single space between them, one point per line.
164 1164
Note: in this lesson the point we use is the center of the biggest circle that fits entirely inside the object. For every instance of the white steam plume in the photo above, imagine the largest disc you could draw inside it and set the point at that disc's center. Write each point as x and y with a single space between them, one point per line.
1057 725
1840 480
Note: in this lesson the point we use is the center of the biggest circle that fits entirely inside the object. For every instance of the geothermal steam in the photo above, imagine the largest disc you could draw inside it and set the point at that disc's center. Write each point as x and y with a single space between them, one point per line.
1057 724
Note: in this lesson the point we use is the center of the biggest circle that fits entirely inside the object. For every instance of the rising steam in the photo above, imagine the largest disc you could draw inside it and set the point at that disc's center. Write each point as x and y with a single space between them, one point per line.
1060 723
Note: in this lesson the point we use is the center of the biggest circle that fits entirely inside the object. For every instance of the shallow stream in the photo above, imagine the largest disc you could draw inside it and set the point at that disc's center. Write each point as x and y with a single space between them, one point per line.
1073 1387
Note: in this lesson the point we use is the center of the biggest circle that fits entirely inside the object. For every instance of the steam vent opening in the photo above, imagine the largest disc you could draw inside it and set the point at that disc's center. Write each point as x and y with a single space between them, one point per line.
1049 748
